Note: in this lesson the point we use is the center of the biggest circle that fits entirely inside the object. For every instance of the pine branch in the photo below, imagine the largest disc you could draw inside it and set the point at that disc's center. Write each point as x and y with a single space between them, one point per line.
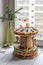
18 10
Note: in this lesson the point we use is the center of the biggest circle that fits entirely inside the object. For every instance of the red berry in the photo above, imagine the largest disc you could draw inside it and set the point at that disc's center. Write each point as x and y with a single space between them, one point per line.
24 20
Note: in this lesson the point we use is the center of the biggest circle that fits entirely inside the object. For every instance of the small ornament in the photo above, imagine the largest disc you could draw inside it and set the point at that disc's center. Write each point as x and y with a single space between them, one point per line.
27 25
21 26
24 20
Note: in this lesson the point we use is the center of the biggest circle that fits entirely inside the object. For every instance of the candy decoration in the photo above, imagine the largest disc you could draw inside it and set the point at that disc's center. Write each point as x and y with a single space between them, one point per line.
21 26
27 25
24 20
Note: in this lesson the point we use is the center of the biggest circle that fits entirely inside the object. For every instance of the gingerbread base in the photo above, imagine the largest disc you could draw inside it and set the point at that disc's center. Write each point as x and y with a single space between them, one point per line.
31 54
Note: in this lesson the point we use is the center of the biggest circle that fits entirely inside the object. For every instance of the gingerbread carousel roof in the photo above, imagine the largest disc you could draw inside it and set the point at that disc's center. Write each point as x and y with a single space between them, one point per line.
24 30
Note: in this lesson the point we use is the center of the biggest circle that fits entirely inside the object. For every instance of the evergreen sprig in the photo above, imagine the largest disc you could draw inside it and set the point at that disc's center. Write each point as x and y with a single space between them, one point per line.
9 14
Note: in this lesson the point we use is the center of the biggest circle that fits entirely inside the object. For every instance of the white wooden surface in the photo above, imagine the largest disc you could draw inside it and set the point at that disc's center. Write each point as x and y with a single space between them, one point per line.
8 59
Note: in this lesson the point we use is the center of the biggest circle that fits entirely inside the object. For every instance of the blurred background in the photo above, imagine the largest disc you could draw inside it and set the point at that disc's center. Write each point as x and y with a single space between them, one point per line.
32 12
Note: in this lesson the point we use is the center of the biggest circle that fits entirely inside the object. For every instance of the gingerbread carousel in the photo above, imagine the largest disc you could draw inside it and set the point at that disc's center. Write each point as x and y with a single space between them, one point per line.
27 43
